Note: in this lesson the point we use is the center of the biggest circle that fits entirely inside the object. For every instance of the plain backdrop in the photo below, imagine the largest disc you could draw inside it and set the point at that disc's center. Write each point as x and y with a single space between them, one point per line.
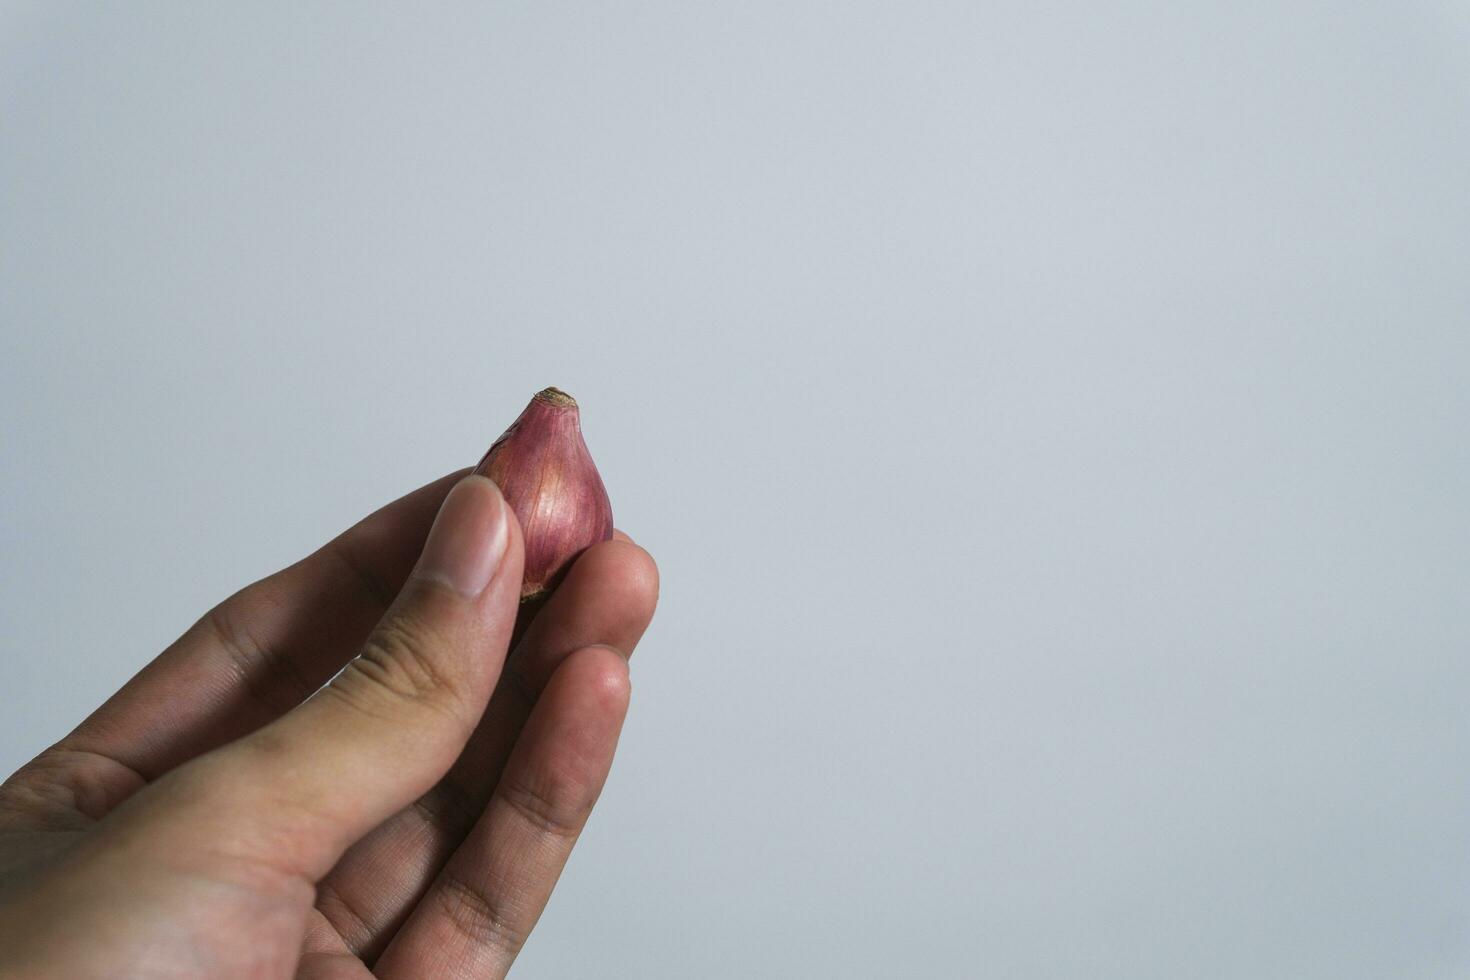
1050 419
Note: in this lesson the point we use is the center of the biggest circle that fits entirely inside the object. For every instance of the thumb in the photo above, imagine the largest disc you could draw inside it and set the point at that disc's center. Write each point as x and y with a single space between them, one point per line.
297 793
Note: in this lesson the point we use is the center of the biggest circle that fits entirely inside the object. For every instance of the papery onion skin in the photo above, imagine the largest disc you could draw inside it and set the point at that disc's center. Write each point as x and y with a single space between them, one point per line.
546 474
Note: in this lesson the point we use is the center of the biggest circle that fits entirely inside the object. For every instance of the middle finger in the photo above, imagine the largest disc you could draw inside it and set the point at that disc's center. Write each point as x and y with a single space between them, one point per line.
607 599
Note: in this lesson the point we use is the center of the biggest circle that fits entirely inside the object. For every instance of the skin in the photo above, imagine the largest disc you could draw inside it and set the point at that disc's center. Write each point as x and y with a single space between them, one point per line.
338 772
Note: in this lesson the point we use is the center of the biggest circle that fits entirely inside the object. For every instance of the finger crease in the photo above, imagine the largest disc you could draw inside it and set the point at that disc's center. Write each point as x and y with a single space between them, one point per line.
397 657
478 917
540 812
354 931
68 781
273 679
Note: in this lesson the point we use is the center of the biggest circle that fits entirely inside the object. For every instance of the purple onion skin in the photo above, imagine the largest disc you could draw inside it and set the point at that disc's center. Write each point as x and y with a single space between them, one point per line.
542 466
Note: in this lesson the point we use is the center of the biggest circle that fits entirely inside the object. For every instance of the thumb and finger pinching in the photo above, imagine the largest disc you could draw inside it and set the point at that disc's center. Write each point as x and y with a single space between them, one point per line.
295 794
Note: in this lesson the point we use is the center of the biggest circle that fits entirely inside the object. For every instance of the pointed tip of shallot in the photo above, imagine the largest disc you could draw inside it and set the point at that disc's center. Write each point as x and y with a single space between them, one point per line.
557 397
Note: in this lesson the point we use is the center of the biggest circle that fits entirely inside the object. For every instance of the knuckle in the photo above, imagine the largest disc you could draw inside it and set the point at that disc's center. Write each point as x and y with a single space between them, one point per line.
480 914
267 674
67 788
558 809
401 661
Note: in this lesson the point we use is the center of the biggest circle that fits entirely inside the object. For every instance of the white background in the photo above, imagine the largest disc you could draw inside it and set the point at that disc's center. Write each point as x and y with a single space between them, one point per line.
1050 419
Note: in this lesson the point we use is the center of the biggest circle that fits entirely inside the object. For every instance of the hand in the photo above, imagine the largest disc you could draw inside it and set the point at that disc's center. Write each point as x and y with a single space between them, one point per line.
225 814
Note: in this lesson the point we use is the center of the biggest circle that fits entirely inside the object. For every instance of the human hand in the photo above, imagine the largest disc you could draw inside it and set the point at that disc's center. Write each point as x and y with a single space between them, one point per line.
225 814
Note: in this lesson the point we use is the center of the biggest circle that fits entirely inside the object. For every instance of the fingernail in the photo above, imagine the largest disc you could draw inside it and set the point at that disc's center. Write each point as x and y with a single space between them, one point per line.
468 538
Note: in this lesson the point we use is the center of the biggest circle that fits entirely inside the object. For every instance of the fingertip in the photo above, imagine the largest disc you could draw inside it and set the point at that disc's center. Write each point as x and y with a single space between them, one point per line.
608 598
609 677
627 567
593 683
469 539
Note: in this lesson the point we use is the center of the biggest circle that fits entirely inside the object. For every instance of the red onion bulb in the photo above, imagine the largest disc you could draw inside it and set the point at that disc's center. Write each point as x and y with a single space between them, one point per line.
547 476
